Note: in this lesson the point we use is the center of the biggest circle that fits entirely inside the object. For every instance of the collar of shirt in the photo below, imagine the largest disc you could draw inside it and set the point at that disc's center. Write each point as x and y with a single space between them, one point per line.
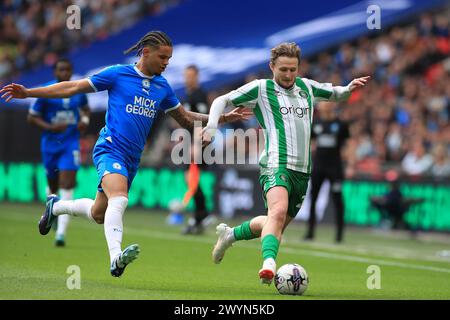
291 91
139 72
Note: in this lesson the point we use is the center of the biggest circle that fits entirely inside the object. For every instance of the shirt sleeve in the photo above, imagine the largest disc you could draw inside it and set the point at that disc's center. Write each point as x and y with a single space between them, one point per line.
37 107
328 92
104 80
245 96
321 91
170 102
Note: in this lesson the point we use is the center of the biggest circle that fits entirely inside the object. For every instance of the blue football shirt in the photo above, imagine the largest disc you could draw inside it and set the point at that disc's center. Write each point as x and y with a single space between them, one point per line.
133 104
55 111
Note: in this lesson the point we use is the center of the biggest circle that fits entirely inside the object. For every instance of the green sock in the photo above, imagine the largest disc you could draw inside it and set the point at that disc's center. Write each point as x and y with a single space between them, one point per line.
270 245
243 232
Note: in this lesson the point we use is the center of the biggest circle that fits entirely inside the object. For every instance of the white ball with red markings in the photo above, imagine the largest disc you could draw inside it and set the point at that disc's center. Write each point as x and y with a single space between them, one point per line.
291 279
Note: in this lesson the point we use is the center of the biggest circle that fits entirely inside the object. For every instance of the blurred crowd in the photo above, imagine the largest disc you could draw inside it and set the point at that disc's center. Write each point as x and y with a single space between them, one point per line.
34 32
401 120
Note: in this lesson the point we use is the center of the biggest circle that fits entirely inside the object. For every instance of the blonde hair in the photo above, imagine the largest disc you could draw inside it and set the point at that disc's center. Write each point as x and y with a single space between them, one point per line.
285 49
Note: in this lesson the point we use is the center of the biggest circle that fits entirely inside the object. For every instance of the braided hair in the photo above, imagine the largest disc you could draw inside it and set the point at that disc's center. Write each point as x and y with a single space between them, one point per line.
152 39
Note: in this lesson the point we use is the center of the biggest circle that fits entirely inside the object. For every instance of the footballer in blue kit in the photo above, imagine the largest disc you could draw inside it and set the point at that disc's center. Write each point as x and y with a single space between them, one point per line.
61 121
134 102
136 94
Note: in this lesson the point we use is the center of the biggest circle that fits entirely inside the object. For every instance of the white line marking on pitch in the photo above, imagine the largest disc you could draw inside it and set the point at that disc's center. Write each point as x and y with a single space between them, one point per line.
320 254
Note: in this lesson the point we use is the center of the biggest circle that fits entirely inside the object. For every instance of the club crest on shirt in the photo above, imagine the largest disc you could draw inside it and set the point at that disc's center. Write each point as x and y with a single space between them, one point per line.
146 83
117 166
303 94
146 86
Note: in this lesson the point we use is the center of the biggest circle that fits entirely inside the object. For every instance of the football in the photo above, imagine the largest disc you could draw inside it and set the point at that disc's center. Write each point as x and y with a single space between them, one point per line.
291 279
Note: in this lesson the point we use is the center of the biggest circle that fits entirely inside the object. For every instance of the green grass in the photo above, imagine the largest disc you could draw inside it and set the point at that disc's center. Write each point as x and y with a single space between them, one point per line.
172 266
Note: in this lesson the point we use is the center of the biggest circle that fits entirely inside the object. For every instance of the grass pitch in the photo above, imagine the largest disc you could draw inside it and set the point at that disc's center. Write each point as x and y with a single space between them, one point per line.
176 267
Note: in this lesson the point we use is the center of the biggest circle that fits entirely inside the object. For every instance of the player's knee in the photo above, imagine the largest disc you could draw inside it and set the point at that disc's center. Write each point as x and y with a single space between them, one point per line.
98 216
99 219
278 215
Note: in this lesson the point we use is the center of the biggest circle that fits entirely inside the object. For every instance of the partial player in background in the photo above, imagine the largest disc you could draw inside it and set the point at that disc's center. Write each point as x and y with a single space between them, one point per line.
283 107
195 101
136 93
329 135
61 120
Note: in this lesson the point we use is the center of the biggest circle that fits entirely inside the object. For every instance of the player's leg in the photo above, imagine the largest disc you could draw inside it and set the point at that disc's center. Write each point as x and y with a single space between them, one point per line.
52 185
99 207
50 162
317 179
248 230
68 164
336 193
277 202
56 207
195 225
93 210
52 189
66 186
65 206
284 202
115 187
115 175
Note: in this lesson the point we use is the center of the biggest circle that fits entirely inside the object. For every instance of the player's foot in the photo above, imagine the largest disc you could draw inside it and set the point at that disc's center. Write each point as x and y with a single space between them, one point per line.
47 219
122 260
60 241
195 229
268 271
224 241
308 237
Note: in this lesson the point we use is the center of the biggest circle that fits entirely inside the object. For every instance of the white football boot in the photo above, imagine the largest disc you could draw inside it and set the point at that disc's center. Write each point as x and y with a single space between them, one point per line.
224 241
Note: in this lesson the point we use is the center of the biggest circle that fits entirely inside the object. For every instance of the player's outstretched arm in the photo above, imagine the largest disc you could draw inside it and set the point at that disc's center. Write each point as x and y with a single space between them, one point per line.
62 89
339 93
358 83
216 117
186 118
44 125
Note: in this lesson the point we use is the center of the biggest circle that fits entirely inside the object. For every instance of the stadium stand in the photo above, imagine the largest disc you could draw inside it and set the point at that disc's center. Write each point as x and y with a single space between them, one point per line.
33 33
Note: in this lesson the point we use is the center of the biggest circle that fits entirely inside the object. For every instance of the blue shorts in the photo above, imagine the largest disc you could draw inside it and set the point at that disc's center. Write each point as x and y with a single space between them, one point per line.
108 160
65 159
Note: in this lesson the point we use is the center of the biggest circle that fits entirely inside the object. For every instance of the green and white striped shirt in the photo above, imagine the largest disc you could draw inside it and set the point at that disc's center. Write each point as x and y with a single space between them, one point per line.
286 117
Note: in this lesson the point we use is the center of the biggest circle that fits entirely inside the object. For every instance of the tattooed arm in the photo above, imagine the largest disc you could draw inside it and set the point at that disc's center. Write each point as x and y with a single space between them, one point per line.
186 118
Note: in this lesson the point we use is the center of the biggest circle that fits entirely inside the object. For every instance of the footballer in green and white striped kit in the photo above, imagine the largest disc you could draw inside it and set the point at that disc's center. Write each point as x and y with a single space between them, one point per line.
283 107
286 116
